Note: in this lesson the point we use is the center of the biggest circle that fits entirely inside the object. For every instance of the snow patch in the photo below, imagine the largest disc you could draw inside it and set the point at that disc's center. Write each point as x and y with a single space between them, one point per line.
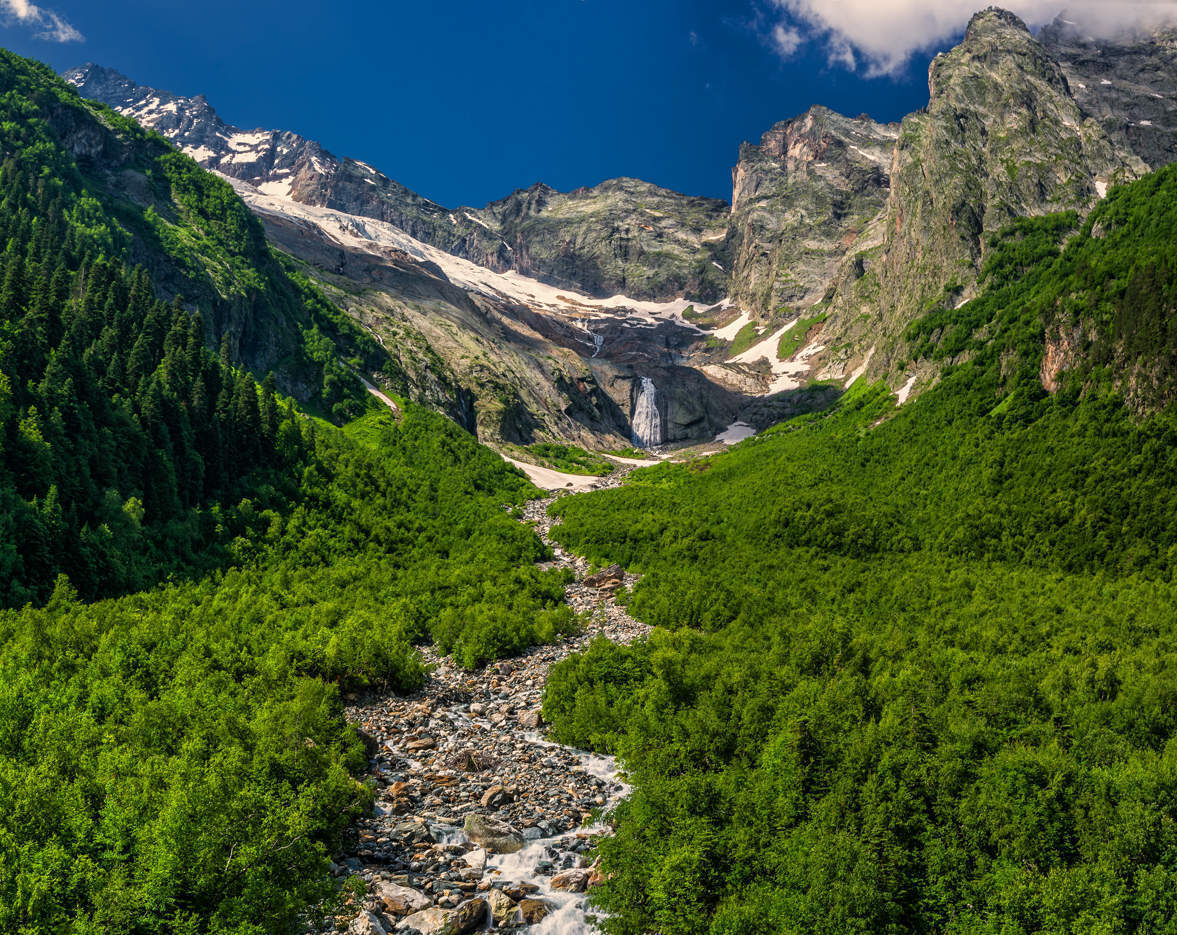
904 393
478 220
275 188
244 141
861 369
1101 188
729 332
735 433
200 153
765 349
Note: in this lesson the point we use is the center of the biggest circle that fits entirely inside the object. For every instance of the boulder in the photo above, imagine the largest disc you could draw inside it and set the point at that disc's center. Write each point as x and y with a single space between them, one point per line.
502 907
495 797
429 922
401 900
534 910
470 915
610 579
366 923
531 720
571 881
475 859
496 836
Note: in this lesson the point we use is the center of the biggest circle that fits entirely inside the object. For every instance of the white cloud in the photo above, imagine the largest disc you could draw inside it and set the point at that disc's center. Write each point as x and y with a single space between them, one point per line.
886 33
49 25
785 40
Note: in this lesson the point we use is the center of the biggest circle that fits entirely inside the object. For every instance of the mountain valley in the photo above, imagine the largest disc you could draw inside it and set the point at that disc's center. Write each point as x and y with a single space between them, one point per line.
613 560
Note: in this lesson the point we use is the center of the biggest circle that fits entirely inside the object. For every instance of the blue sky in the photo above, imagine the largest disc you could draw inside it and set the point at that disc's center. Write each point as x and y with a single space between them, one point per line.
466 101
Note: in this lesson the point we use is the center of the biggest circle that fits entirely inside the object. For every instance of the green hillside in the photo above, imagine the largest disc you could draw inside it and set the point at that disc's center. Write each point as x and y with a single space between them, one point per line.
918 670
194 567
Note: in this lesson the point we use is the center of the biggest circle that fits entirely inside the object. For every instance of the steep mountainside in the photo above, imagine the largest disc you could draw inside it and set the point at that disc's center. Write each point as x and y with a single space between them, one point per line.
1129 85
622 236
1002 137
799 200
201 247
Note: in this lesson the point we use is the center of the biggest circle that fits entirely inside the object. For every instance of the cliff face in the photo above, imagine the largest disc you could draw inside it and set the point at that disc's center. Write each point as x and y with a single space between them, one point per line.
1002 137
799 200
622 237
1128 84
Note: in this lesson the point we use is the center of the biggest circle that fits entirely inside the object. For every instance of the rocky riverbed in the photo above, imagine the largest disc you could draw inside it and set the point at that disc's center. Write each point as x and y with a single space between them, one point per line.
480 822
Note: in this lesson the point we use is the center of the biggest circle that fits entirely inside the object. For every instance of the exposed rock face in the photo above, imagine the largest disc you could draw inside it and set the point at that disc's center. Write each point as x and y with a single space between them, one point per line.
799 200
1002 137
1128 84
622 236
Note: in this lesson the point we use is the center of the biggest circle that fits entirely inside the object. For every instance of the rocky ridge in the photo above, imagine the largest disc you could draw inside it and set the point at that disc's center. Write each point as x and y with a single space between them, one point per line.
480 822
620 237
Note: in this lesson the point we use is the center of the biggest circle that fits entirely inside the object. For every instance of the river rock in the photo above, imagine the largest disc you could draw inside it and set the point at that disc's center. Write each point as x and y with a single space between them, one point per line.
495 796
470 915
401 900
571 881
366 923
496 836
610 579
534 910
471 761
475 859
531 720
502 906
429 922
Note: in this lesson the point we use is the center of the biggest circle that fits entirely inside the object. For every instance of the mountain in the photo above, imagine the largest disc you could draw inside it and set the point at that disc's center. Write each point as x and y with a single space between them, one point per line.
841 232
620 237
1004 136
492 315
799 199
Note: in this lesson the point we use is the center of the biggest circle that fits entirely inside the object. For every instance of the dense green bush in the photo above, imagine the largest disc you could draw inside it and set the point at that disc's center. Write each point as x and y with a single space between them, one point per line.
176 760
918 671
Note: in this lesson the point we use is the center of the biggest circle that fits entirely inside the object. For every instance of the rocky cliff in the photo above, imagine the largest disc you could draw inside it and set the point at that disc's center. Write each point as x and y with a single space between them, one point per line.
1003 137
622 237
799 200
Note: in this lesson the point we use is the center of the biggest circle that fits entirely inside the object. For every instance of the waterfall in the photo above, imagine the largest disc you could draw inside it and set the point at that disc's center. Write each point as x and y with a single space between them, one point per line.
647 420
598 342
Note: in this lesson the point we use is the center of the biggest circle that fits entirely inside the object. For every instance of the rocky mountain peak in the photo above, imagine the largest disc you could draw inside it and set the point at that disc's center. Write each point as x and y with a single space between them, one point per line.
986 21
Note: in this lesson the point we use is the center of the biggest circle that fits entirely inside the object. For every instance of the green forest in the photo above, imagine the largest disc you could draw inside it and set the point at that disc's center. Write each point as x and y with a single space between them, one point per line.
193 568
915 669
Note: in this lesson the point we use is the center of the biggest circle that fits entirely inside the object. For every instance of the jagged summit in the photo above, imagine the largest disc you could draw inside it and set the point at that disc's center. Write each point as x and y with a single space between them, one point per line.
995 15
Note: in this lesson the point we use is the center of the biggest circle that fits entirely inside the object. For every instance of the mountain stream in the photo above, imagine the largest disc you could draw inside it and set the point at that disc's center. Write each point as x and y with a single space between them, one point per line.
472 744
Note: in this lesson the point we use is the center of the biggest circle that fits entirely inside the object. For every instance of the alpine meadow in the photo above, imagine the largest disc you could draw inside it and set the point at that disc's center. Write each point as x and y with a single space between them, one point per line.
606 560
